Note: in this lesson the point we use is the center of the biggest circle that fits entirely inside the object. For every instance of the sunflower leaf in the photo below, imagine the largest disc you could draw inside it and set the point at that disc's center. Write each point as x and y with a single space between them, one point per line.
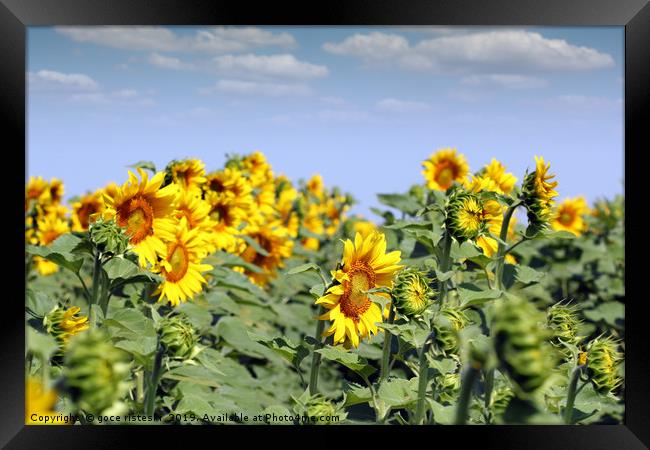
147 165
350 360
63 259
253 243
303 268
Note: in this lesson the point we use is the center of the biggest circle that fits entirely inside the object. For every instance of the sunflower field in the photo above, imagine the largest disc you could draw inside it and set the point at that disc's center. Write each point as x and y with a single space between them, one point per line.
188 296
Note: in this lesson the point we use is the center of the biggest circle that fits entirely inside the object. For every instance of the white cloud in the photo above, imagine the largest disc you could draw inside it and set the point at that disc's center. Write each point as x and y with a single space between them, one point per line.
583 102
161 39
283 65
342 116
393 105
123 97
486 51
242 87
168 62
52 80
508 81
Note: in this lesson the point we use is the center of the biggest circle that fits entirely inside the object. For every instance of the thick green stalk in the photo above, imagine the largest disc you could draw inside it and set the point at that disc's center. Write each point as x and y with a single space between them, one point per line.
316 358
388 337
422 384
501 253
152 387
571 395
469 378
445 266
489 385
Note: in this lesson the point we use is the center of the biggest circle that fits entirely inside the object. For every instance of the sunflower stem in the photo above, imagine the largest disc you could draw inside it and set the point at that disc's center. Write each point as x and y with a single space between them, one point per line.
423 376
152 387
316 358
489 385
469 378
501 253
388 338
444 265
571 395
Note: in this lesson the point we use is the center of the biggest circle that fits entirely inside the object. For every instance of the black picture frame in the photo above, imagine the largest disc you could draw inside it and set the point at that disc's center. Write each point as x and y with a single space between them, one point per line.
634 15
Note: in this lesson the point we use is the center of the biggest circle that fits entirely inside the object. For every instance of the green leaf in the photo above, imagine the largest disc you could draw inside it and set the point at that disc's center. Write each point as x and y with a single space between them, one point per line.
470 294
147 165
231 330
527 275
350 360
193 374
136 332
317 290
466 250
355 394
122 271
39 303
444 415
402 202
229 260
284 347
63 259
41 344
398 393
612 313
253 243
303 268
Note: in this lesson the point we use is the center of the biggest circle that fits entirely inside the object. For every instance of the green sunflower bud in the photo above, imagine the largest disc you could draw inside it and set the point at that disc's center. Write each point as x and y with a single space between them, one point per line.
320 410
448 323
96 373
448 387
603 361
466 216
412 292
521 344
501 396
177 337
109 237
64 323
563 321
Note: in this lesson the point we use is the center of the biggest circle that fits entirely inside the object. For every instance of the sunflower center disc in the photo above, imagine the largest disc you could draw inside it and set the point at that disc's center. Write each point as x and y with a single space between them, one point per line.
445 177
179 261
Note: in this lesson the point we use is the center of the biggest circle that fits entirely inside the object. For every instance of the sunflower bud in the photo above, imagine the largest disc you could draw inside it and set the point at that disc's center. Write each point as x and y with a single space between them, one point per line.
65 323
108 236
412 292
448 387
96 373
537 193
603 360
177 337
563 321
466 216
501 396
521 345
320 410
447 325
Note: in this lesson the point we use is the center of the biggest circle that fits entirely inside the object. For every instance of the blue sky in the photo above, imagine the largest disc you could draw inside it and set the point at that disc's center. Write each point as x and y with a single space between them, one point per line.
363 106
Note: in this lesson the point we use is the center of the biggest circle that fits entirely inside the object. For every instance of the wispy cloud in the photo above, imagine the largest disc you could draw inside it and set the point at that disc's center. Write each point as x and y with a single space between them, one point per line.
484 51
392 105
243 87
507 81
56 81
123 97
161 39
284 65
169 62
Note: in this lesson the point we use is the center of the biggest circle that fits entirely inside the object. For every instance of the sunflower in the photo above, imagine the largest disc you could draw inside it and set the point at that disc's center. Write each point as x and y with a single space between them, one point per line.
55 191
258 169
188 174
48 228
315 186
364 227
226 217
35 188
180 265
39 402
490 245
86 209
538 193
468 215
569 216
231 182
278 245
286 198
412 292
313 222
443 168
365 265
145 210
196 211
65 323
496 172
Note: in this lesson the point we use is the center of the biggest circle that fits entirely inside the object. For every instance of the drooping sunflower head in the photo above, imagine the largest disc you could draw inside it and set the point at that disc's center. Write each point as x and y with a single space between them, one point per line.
538 193
97 374
365 265
188 174
570 215
496 172
86 209
521 344
467 215
603 364
39 401
178 337
564 321
443 168
447 325
181 266
65 323
413 292
145 210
